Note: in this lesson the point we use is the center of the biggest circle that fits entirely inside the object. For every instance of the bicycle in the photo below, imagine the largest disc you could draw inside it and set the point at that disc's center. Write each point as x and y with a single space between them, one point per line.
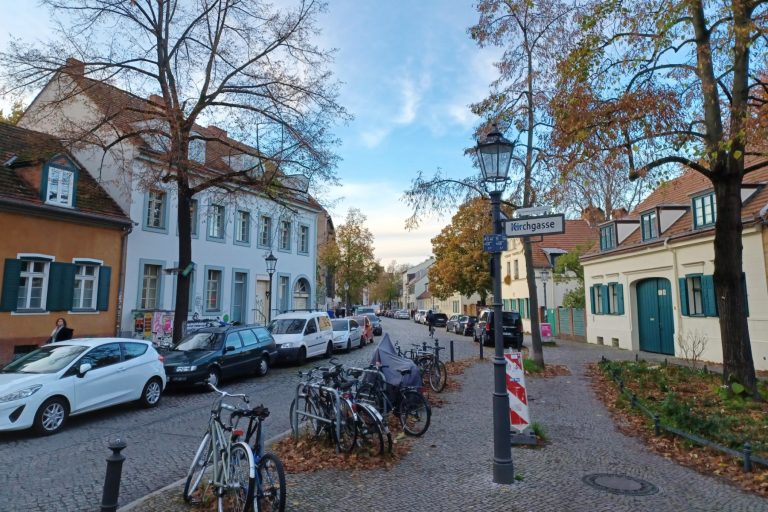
223 462
269 494
433 369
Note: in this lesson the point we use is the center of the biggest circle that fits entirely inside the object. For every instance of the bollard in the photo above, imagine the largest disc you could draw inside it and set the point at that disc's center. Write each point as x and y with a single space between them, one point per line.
656 424
481 348
112 479
747 457
451 342
633 400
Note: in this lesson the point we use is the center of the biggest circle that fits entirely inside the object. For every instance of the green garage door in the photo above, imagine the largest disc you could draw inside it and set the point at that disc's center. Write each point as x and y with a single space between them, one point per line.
654 316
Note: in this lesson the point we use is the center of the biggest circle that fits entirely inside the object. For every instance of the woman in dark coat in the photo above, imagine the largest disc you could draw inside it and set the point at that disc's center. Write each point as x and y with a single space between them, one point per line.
61 332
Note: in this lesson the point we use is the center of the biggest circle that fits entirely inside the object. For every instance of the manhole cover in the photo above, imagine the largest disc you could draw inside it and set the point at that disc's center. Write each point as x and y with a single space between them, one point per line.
620 484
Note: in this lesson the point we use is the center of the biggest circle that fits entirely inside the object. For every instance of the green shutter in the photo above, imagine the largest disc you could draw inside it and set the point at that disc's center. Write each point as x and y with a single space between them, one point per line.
61 283
746 295
592 297
620 299
102 299
604 298
683 296
11 280
708 295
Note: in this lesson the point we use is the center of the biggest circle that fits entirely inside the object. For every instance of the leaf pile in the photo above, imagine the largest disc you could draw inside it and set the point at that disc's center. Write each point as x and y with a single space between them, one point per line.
704 460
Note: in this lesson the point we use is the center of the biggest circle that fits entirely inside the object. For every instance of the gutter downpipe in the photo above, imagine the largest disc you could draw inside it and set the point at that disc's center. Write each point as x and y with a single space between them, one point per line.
121 280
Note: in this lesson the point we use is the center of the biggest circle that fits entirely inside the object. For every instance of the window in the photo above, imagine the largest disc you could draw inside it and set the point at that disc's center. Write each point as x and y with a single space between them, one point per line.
150 287
61 184
509 270
249 337
607 237
517 269
282 292
155 210
33 280
596 299
285 235
607 299
649 226
304 239
213 290
216 221
265 231
233 340
133 350
243 227
193 216
311 327
196 150
704 210
697 295
613 299
102 356
86 284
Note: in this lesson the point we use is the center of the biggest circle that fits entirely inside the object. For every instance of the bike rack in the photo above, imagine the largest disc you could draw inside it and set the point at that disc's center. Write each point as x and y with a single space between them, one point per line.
296 412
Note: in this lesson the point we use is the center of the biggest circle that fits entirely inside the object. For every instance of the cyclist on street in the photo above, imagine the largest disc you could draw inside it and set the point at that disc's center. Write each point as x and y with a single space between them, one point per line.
430 321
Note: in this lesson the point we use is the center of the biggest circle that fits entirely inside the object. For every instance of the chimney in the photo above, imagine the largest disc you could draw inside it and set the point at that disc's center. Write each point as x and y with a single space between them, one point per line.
618 213
217 132
594 215
74 67
156 100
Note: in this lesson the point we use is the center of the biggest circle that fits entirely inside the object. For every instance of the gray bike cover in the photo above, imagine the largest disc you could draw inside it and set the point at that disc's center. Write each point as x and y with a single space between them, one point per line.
385 355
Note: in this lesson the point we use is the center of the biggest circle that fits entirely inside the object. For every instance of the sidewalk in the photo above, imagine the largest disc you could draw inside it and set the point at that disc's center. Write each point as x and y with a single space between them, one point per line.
449 469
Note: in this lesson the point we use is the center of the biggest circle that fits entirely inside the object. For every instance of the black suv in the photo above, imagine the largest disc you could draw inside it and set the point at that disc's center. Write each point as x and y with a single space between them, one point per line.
440 319
512 328
216 353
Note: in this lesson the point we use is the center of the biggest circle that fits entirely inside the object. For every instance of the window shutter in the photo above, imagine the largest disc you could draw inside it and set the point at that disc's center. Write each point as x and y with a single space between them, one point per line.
708 295
102 299
61 283
620 299
592 297
11 279
604 298
683 296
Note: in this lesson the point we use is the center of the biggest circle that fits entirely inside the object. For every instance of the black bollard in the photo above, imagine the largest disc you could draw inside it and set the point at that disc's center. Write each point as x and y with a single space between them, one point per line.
481 348
747 457
112 479
451 342
656 424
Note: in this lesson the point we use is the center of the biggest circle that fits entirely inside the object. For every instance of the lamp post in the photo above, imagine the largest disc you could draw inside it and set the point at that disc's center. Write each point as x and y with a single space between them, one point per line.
346 298
494 155
544 278
271 265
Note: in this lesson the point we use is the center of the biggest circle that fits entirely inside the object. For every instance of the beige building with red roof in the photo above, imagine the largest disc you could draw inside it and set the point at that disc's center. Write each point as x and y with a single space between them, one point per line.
649 282
546 249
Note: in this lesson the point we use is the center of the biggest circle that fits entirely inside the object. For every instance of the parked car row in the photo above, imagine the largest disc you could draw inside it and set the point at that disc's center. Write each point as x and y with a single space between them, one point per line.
461 324
44 387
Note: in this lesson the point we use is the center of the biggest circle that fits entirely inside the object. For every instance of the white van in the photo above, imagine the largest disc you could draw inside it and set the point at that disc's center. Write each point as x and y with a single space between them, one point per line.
302 334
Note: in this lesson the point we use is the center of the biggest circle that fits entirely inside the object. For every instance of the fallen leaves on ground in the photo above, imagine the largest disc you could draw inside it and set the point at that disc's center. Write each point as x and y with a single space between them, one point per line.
699 458
550 370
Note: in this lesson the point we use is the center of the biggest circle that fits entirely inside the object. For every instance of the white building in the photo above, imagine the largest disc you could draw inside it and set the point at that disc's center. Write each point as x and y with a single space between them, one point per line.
415 281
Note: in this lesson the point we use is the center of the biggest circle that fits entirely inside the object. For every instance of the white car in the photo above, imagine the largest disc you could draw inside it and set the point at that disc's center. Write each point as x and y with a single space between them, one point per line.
402 314
43 388
346 334
302 334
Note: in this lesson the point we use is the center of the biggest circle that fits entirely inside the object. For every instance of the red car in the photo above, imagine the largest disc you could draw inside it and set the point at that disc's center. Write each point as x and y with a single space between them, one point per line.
366 328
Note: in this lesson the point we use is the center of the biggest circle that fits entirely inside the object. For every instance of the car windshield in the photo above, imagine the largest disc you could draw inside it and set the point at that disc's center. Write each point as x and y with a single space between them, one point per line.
509 317
200 341
441 316
373 318
47 359
340 325
287 326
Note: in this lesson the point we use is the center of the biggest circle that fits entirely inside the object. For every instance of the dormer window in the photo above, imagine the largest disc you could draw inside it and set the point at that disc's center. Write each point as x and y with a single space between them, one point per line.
704 210
60 187
196 151
607 237
649 222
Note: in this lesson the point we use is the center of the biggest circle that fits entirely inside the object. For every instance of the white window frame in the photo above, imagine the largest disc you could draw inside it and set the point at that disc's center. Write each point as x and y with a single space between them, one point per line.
82 263
265 231
156 209
142 293
285 235
196 149
217 290
695 295
35 258
243 227
58 174
216 214
303 239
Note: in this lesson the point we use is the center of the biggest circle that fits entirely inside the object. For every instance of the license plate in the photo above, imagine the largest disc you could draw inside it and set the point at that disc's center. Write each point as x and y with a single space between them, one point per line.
178 379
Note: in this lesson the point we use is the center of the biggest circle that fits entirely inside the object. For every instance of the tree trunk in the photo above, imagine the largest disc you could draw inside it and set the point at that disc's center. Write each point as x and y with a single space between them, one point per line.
533 302
730 287
185 258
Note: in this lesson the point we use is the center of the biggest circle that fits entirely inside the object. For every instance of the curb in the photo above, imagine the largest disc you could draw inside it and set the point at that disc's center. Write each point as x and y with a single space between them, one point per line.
178 483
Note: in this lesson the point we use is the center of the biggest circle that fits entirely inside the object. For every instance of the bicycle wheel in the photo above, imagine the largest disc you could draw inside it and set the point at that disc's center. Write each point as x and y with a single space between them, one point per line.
438 376
201 471
347 433
305 423
370 438
237 496
270 495
415 413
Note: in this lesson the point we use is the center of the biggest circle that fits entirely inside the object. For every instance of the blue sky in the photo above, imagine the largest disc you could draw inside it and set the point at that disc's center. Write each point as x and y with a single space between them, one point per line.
409 72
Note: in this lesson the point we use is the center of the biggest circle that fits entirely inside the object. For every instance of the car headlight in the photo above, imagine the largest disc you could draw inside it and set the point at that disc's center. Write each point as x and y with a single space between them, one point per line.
185 368
21 393
340 337
286 345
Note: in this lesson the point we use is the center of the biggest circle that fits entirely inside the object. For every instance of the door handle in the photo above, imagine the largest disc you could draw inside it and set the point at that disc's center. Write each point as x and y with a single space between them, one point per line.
122 369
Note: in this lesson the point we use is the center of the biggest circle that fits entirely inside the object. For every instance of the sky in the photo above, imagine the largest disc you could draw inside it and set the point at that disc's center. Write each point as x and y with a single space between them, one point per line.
409 72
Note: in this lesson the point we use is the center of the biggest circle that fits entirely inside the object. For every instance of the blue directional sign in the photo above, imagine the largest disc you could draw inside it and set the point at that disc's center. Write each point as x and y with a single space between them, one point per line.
494 243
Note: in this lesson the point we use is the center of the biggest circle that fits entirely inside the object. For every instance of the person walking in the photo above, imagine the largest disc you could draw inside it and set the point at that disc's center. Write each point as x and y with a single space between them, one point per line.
60 332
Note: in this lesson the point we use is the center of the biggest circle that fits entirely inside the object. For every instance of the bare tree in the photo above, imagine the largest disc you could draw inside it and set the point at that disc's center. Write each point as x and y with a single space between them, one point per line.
243 65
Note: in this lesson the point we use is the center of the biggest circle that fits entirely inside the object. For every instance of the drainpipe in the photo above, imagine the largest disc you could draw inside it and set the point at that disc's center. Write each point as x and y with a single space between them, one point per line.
121 281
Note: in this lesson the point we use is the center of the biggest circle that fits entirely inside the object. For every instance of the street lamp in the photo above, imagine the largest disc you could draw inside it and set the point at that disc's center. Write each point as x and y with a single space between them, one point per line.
271 265
346 299
494 155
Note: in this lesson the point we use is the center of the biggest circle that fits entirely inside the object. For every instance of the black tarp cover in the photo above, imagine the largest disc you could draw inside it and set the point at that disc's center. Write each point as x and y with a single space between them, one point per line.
386 356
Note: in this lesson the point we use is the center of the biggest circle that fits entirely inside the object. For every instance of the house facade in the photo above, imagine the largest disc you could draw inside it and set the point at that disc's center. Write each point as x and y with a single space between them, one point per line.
415 282
458 304
550 294
62 244
649 282
233 231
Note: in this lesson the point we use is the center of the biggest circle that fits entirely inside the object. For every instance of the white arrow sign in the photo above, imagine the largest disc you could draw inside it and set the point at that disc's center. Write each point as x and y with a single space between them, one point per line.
547 225
535 210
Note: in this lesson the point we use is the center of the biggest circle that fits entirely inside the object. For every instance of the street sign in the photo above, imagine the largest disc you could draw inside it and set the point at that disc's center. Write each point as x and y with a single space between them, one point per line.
494 243
547 225
534 210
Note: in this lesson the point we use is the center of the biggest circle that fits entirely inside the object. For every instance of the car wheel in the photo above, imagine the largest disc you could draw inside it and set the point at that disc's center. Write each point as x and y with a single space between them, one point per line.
51 416
360 343
328 350
262 366
302 357
214 376
150 395
349 345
